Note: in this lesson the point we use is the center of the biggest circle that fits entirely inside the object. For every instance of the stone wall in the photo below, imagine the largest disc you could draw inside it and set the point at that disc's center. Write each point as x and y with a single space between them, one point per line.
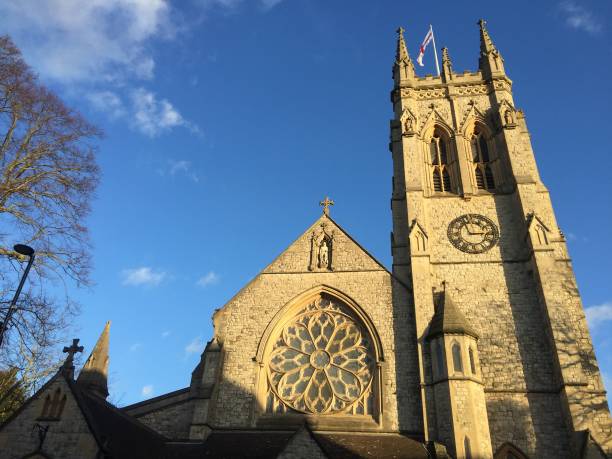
69 437
245 318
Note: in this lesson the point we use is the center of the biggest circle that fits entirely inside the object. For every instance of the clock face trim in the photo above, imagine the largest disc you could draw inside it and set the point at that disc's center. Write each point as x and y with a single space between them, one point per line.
473 233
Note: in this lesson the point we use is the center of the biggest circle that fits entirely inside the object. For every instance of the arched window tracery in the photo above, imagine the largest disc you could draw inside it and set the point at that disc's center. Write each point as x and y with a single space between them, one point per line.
322 361
481 158
440 162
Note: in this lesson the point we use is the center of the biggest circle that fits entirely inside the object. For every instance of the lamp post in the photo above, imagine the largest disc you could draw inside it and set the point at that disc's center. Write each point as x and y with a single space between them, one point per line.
29 252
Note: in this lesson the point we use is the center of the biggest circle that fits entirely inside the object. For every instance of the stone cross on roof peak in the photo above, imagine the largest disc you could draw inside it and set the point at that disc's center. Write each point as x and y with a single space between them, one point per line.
73 349
325 204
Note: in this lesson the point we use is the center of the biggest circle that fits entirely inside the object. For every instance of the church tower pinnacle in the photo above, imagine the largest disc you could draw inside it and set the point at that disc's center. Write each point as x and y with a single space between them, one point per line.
94 374
403 68
491 62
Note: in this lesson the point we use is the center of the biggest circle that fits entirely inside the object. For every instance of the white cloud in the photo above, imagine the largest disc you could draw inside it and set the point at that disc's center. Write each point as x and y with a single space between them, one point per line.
142 276
107 101
134 347
578 17
96 40
183 168
196 346
153 116
166 333
209 278
147 390
596 315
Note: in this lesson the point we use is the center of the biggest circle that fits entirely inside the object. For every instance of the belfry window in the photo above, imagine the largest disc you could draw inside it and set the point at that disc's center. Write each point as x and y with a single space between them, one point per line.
323 362
440 159
481 158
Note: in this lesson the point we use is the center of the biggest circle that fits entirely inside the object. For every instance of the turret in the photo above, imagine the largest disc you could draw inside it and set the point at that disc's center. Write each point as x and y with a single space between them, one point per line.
461 415
94 375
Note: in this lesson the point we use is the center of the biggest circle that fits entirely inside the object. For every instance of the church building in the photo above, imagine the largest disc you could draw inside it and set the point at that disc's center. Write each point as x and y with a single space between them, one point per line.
473 346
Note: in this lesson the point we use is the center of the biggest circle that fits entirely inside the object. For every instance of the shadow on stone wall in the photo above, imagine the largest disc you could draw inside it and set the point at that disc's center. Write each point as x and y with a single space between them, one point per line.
531 399
410 413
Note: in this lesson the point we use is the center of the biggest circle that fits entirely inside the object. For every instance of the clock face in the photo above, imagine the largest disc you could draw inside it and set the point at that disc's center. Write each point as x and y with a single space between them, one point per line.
473 233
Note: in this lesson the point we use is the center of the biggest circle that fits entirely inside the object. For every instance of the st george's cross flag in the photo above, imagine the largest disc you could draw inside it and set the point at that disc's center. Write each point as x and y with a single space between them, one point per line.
428 38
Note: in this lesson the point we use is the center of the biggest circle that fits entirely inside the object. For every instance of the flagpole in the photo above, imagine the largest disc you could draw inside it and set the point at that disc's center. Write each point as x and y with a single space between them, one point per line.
433 39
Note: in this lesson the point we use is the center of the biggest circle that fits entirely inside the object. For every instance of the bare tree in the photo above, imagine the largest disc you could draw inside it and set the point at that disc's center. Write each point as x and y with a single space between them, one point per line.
48 175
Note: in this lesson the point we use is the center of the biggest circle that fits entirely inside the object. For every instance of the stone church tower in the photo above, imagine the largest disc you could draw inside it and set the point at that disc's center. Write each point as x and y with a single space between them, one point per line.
476 240
474 345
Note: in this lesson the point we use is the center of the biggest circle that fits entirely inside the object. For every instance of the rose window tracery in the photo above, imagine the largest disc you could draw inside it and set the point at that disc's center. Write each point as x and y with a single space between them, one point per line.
321 363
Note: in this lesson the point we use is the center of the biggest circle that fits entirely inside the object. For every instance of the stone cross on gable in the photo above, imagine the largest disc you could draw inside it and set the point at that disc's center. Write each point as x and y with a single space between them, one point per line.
325 204
71 351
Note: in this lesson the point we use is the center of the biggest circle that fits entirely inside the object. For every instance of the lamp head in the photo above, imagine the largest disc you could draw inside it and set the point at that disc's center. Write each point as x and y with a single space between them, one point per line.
24 249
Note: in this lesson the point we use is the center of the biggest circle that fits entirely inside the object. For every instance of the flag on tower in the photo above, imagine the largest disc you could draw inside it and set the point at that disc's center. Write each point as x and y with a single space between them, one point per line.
428 38
426 41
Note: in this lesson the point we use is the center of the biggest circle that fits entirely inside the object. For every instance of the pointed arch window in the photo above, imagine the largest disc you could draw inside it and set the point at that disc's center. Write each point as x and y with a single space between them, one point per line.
53 406
440 162
438 357
467 448
472 360
457 361
481 158
322 362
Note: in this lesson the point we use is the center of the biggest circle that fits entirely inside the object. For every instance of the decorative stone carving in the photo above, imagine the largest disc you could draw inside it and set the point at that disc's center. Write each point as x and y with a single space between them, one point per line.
507 115
418 239
321 249
409 122
539 234
322 363
471 113
435 115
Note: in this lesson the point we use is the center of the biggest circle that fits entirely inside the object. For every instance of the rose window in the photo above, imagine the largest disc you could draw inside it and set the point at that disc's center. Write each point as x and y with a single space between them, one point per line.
322 363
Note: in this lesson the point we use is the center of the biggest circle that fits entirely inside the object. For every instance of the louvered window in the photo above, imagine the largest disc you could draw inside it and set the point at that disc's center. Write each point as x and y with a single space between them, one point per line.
439 160
482 159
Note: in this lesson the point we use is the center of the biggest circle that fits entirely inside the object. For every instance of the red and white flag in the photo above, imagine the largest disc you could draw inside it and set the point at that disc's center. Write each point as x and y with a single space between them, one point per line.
428 38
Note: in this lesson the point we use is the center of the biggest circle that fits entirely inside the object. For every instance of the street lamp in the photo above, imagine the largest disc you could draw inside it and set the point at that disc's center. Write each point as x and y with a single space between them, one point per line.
28 252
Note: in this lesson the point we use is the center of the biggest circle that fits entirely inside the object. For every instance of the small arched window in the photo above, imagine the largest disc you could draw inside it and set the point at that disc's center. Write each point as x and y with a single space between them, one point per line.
467 448
440 160
457 361
53 407
439 357
472 361
481 158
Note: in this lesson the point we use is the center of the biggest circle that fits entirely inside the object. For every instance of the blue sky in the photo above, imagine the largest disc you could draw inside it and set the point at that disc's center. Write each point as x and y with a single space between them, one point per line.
228 120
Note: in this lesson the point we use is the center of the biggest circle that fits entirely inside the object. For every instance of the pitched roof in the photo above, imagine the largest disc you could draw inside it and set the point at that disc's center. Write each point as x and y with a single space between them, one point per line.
256 444
365 445
448 319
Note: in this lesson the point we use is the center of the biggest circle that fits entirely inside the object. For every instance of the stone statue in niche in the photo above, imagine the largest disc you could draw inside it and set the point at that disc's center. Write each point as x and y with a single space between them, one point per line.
323 254
508 118
321 249
408 125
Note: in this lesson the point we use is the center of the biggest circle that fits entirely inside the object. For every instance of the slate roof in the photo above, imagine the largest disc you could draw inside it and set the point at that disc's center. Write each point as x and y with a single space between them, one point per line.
448 319
380 446
268 445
